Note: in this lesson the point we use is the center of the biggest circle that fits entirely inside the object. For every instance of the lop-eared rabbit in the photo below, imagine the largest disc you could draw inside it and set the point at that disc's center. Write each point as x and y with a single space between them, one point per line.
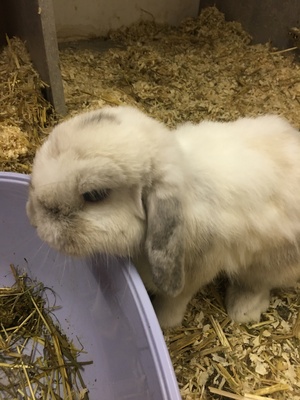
185 205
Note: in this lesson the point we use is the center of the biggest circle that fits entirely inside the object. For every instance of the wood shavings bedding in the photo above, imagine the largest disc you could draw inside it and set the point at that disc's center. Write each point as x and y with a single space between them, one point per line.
206 68
14 145
24 112
216 358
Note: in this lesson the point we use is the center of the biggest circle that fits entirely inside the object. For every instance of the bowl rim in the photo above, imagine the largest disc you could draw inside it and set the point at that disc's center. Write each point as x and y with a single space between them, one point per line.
154 334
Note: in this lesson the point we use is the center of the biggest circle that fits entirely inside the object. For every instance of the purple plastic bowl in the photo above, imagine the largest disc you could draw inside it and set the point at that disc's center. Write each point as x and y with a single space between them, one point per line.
104 307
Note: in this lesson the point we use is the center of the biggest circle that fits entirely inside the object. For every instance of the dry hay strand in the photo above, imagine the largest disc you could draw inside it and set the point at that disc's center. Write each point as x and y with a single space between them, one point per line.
36 359
25 113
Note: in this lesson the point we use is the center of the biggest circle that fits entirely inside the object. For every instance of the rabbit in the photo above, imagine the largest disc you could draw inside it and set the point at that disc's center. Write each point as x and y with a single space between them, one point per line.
184 204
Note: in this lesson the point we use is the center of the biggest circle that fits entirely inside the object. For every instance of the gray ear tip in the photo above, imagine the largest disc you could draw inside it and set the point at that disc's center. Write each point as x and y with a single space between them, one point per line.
168 275
171 289
165 244
175 290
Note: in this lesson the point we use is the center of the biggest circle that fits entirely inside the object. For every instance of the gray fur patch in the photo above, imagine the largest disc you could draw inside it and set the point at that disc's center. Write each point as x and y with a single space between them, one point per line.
166 223
98 117
165 245
168 269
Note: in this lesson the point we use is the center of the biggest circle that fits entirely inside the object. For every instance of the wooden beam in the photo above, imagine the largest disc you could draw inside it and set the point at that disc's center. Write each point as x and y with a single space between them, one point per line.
33 21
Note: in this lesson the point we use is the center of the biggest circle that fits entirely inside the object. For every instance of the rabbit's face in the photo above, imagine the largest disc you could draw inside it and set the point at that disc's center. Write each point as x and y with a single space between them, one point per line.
107 181
86 186
81 215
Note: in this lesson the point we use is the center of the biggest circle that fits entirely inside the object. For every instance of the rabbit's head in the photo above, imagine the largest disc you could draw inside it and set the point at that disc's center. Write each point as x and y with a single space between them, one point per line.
110 181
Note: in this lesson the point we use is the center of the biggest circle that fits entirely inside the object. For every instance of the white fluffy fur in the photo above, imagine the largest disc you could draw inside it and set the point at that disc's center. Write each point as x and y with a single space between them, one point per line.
185 205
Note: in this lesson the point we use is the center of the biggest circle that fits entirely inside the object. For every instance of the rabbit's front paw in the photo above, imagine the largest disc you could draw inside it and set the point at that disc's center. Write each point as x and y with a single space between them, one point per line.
245 305
169 310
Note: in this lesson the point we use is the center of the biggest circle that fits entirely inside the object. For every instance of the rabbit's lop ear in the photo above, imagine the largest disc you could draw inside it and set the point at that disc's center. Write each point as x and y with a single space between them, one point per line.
164 242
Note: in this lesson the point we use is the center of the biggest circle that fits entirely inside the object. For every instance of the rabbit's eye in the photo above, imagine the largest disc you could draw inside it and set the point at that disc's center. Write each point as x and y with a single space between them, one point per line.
96 195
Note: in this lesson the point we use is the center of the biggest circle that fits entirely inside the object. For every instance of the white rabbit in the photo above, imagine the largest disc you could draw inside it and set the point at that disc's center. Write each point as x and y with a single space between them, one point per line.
184 205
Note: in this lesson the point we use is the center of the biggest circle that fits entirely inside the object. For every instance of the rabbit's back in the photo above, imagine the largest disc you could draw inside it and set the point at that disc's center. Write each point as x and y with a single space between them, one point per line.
244 183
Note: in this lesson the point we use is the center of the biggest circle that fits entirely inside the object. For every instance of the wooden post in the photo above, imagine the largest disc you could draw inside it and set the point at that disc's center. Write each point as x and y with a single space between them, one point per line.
33 21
